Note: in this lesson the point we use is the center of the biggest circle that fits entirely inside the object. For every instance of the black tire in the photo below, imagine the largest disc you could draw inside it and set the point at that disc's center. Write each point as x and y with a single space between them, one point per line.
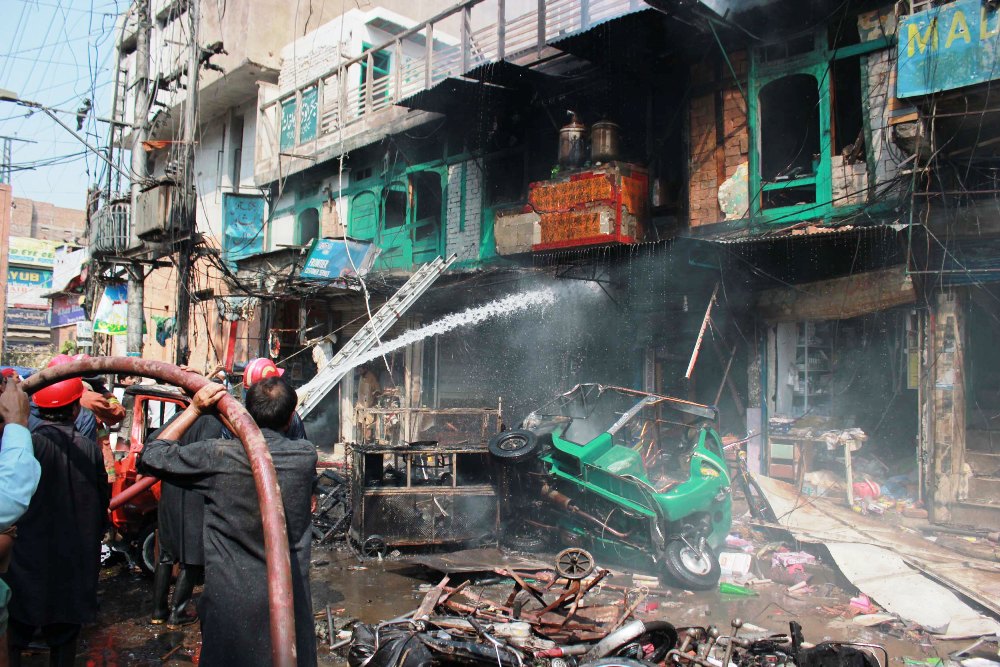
146 552
618 662
662 636
689 568
527 542
374 547
512 446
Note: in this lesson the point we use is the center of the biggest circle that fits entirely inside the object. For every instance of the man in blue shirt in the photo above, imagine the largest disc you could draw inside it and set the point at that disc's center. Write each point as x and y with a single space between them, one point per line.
19 474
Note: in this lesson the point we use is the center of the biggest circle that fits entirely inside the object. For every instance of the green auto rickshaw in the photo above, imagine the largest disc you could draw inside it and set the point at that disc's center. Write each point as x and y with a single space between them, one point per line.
635 478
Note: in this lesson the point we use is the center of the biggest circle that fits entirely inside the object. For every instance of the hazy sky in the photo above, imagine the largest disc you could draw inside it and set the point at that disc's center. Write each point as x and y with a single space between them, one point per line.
58 53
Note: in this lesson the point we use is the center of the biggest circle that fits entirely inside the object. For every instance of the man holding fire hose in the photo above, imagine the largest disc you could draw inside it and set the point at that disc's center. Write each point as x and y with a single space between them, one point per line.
181 514
234 606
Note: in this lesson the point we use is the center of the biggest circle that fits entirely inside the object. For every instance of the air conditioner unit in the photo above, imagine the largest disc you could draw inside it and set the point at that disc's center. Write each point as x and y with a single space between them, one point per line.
159 213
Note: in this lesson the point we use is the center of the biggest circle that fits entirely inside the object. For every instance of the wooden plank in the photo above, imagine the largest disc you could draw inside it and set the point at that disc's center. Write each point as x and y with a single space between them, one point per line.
840 298
397 67
429 57
466 39
369 82
540 28
430 600
501 29
813 519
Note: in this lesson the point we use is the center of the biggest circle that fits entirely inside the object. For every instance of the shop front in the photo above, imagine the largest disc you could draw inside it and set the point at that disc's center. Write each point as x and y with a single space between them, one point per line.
843 387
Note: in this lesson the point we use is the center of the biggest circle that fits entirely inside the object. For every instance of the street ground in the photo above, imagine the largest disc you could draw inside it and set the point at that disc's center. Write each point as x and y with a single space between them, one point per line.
379 590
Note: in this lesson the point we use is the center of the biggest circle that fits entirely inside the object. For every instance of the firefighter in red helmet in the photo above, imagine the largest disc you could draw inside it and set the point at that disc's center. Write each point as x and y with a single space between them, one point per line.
56 558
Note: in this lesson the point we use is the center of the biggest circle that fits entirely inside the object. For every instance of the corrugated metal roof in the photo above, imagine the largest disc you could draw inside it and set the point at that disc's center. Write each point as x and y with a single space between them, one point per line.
811 231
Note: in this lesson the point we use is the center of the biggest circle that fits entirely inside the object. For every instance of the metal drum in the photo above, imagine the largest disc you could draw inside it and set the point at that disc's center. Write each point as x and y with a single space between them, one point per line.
572 138
605 141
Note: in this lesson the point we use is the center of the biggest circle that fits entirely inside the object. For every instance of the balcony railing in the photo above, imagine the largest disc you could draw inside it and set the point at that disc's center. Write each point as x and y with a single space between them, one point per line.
111 229
346 99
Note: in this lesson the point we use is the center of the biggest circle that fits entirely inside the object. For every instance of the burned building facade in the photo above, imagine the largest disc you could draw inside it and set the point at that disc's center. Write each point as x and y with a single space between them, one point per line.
785 210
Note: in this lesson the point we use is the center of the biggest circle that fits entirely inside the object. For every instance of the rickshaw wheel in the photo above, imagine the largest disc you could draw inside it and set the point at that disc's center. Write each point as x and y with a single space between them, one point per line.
574 563
374 547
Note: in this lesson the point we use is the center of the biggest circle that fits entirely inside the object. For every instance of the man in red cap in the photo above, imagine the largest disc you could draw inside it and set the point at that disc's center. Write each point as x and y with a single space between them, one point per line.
56 558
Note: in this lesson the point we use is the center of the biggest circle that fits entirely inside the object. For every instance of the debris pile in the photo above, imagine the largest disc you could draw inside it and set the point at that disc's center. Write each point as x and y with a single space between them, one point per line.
547 619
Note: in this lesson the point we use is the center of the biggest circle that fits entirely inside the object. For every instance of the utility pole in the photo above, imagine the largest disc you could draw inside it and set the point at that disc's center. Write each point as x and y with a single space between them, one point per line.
7 160
5 199
140 172
189 196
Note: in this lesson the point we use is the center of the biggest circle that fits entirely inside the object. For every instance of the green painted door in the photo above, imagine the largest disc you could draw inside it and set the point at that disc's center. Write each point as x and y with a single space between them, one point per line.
427 210
363 216
394 235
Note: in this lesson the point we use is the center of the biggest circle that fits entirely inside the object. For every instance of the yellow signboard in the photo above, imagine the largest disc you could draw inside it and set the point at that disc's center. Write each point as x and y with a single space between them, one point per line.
33 252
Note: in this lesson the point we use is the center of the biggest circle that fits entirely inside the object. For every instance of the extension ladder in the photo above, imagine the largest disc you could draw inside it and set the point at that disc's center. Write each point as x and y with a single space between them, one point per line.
313 392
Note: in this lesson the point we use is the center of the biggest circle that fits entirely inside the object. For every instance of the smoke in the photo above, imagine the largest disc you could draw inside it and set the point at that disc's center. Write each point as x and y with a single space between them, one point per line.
632 321
505 307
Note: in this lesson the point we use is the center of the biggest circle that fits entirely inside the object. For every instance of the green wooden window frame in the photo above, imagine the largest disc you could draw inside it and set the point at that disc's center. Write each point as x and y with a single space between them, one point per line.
816 63
401 241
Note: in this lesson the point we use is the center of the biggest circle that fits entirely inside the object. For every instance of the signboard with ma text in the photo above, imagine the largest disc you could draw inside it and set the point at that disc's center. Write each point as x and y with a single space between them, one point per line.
947 47
67 310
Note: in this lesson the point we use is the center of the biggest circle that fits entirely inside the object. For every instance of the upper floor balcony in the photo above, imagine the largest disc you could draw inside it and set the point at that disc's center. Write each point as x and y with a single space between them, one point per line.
361 99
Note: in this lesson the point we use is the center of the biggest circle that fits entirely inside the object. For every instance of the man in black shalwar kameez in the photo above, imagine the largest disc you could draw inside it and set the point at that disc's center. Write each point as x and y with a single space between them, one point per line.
234 612
57 555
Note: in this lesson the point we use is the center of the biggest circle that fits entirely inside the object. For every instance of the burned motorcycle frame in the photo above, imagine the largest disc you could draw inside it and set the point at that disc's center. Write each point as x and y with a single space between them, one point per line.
638 478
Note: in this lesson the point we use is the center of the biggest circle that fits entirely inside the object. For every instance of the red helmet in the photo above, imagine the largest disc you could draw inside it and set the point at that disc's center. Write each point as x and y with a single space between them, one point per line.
258 369
61 393
60 359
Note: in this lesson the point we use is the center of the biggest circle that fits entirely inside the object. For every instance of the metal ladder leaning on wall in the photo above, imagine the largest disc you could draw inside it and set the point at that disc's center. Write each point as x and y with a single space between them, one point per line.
314 391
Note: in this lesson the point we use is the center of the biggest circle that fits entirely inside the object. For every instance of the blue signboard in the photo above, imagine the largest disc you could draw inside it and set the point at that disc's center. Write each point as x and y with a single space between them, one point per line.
67 310
243 226
27 317
330 259
947 47
25 286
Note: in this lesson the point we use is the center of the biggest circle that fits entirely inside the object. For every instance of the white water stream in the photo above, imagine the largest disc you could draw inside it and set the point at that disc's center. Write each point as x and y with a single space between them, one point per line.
499 308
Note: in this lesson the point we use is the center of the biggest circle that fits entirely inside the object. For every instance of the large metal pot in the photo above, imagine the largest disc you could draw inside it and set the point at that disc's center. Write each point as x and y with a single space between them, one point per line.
605 141
572 140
